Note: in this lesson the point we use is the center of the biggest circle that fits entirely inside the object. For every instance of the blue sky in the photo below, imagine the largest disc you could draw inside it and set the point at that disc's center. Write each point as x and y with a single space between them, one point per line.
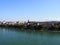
35 10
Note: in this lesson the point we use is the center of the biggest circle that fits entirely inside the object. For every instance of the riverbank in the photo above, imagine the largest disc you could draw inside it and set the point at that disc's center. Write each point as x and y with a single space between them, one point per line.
42 26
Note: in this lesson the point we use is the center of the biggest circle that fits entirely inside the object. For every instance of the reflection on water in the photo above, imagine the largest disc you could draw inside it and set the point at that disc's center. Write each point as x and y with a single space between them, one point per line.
14 36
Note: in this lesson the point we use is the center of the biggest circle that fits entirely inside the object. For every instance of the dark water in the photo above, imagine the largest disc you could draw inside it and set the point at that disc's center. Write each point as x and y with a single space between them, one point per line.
11 36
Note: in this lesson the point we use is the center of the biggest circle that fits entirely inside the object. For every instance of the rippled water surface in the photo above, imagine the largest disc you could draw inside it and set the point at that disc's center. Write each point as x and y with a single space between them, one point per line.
11 36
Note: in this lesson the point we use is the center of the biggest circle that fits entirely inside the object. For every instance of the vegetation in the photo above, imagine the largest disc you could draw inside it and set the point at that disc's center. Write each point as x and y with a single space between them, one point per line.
47 27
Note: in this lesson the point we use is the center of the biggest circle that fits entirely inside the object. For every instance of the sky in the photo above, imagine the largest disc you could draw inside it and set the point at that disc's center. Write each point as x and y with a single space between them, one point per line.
34 10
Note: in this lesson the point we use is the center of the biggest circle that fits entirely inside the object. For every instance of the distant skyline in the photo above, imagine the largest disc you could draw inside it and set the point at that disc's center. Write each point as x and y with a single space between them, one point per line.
34 10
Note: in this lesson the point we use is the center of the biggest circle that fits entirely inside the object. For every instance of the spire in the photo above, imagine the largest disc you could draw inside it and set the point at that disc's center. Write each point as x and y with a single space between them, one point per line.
28 21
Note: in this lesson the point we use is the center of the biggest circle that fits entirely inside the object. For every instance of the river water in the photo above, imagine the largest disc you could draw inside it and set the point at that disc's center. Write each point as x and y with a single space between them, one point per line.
12 36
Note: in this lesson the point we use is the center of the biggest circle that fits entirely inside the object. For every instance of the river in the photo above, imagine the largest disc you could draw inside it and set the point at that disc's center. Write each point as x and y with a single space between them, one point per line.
12 36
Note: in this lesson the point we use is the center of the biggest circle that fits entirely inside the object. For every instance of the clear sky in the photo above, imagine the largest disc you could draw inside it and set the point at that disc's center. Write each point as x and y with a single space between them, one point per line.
36 10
